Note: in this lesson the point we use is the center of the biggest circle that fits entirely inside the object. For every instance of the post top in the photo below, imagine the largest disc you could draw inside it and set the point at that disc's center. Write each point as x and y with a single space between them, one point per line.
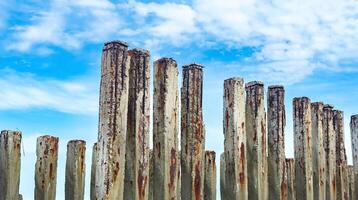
276 87
301 98
317 103
354 117
254 83
328 106
76 142
193 66
140 51
165 59
48 138
116 42
234 79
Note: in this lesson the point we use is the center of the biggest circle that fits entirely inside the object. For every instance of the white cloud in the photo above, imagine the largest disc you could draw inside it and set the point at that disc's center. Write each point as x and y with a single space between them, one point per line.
3 14
22 91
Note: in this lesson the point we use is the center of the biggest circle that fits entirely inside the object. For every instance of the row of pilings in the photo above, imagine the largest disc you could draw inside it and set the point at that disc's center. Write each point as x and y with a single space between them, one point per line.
253 165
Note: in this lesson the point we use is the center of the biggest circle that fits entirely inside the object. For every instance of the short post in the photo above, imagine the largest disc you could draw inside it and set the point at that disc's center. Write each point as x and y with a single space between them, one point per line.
351 182
210 176
291 179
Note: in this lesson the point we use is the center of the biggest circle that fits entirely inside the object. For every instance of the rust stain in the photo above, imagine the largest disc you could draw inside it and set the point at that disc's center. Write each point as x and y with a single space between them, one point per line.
242 164
197 180
173 166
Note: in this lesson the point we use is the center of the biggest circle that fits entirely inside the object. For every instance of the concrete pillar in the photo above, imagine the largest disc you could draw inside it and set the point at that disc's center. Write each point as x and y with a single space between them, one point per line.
165 128
233 162
291 179
93 172
46 168
75 170
10 164
113 106
137 144
330 149
210 176
351 182
354 140
276 119
318 152
192 133
303 148
256 141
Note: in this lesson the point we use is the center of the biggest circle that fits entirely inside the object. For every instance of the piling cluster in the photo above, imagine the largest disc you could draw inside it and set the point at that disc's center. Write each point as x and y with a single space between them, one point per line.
253 165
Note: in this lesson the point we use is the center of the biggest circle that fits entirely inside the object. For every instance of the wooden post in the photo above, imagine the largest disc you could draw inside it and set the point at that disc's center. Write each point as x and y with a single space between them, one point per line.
10 164
75 170
151 175
137 144
46 168
351 182
113 106
276 119
303 148
330 149
256 141
354 140
233 162
93 172
291 179
210 176
318 152
165 129
192 133
178 176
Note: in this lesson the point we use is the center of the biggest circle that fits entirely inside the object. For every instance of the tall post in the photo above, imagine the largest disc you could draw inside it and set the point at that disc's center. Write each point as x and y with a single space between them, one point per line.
256 141
10 164
165 129
354 140
75 170
46 168
93 172
276 119
351 182
192 133
113 106
318 152
330 149
303 148
210 176
291 179
233 162
137 144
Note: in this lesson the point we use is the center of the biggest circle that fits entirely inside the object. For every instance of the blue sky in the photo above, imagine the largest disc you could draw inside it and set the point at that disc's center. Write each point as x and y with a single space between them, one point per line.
50 59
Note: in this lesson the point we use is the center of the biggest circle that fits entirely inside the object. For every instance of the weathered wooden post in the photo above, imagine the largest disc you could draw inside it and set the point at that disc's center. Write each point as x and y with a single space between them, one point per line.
165 128
276 119
303 148
10 164
46 168
210 176
151 175
330 151
351 182
318 152
192 133
354 140
291 179
256 141
137 144
113 106
233 162
178 176
75 170
93 172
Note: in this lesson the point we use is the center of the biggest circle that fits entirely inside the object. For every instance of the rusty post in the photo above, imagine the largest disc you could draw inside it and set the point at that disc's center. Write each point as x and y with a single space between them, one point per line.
192 133
351 182
93 172
10 164
276 119
113 106
46 168
330 151
256 141
291 179
210 176
354 140
137 143
318 152
303 148
165 128
233 162
75 170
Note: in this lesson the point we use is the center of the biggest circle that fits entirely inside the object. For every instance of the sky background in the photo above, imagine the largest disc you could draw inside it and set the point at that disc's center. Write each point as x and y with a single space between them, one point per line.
50 60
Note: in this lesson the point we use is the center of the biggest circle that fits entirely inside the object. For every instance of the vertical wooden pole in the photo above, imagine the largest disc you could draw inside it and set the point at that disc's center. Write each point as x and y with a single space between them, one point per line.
10 164
351 182
46 168
210 176
291 179
151 175
354 140
223 191
93 172
75 170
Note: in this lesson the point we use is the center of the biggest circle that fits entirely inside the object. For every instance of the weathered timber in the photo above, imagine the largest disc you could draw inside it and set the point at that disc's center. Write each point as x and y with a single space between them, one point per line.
318 152
233 162
256 141
137 143
210 176
46 168
276 119
354 140
75 170
10 164
113 106
151 175
93 172
303 148
178 176
192 133
165 129
330 151
291 179
351 182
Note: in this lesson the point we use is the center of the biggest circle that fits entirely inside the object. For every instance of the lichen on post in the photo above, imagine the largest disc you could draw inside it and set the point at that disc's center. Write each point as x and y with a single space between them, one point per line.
210 176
